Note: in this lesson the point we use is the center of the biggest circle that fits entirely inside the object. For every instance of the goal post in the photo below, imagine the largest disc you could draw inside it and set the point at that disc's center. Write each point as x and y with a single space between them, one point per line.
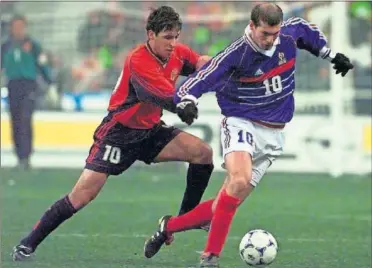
340 87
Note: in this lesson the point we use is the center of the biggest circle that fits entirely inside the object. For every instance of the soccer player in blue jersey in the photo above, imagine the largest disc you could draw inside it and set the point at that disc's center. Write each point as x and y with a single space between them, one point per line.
254 83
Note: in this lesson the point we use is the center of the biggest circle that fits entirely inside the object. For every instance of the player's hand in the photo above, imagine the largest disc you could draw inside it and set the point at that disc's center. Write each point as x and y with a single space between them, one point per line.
187 111
342 64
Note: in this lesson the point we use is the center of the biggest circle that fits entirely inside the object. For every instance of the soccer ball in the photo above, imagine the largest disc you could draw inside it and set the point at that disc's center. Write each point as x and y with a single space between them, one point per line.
258 248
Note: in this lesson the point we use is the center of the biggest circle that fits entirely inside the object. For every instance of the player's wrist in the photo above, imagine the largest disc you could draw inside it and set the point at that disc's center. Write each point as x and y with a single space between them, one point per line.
327 54
331 56
190 98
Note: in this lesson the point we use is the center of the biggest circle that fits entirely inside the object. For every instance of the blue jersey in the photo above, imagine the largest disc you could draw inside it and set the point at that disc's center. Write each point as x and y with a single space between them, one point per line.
253 83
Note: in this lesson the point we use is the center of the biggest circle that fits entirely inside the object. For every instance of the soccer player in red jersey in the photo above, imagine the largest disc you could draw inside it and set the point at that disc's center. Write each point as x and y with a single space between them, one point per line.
133 130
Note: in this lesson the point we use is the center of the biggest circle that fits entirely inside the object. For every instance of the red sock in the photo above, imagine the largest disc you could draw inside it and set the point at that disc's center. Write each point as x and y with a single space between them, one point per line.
221 222
200 215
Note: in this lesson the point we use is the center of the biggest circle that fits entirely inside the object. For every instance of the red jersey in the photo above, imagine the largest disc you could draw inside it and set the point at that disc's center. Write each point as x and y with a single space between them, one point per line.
146 85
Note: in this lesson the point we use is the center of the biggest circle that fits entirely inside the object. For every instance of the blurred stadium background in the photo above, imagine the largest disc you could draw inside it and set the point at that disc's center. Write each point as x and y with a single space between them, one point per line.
330 136
87 42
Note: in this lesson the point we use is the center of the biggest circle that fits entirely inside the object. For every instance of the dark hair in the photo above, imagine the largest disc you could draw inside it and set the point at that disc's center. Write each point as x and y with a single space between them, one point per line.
163 18
268 13
18 17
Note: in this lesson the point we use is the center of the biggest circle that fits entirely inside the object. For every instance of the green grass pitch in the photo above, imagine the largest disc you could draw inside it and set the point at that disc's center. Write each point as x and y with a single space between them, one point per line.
318 221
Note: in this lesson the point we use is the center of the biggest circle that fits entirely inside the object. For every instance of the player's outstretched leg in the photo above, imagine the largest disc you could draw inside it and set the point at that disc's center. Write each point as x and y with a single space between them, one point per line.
182 146
168 225
198 176
238 187
85 190
185 147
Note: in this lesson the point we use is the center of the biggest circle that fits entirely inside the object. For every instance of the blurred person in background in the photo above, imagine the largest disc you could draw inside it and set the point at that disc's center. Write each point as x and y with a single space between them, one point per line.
22 58
92 34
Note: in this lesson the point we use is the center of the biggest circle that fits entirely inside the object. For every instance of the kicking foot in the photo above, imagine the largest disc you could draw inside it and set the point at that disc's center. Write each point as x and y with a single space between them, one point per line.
160 237
21 253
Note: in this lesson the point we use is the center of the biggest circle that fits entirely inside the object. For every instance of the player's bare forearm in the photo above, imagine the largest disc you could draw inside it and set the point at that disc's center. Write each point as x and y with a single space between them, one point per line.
201 61
189 68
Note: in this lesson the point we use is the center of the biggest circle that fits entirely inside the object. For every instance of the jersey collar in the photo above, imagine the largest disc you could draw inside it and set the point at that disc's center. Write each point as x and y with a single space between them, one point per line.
249 40
162 62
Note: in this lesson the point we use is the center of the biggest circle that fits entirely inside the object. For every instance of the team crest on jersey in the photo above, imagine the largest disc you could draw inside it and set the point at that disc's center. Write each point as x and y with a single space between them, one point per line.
174 74
282 58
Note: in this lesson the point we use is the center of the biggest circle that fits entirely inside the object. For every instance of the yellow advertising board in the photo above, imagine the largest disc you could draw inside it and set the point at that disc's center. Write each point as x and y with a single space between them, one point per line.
58 132
65 138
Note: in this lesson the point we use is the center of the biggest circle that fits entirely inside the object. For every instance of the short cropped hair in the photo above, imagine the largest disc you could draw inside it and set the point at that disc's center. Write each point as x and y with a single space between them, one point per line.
268 13
163 18
18 17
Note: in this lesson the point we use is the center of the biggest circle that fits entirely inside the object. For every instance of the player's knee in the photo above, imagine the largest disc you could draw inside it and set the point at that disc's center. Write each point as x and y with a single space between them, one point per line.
239 183
203 154
86 189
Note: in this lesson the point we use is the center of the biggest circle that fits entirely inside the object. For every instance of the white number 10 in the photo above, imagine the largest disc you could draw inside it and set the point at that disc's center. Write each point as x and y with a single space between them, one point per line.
112 154
276 83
